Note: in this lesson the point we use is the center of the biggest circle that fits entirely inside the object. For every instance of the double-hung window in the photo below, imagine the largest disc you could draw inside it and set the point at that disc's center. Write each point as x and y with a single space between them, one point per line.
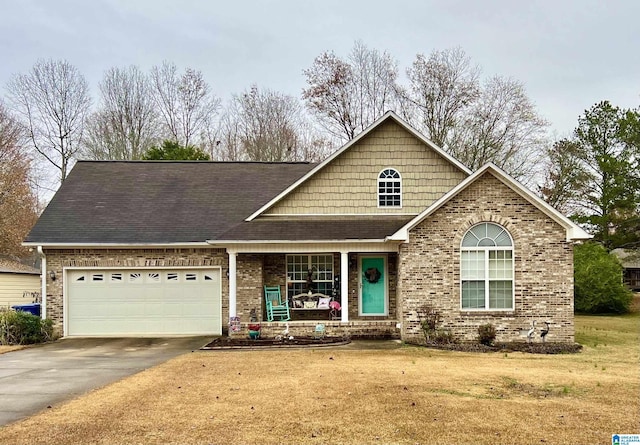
486 268
298 269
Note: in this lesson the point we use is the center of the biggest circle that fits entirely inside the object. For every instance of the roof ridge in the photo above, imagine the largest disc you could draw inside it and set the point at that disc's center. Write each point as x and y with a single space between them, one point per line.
140 161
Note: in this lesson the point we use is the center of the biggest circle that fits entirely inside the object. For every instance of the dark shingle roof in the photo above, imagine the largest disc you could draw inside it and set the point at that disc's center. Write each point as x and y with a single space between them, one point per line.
318 229
159 202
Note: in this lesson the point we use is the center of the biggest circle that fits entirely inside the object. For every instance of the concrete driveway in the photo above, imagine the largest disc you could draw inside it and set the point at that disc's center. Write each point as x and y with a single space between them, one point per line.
38 377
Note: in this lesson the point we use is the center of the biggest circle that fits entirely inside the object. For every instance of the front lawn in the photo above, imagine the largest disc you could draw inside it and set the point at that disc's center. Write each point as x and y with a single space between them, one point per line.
406 396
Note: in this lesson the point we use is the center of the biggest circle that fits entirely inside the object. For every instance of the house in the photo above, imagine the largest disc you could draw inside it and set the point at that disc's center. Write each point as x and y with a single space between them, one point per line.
630 260
19 283
386 225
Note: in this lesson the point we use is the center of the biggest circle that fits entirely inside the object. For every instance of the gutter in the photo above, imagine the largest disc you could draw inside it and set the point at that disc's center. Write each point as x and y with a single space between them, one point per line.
43 278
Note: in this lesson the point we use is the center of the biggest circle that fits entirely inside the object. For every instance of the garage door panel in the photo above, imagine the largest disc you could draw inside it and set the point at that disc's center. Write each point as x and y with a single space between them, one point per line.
143 302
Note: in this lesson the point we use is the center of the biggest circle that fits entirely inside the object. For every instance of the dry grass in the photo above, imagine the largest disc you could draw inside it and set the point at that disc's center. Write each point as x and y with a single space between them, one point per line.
405 396
9 348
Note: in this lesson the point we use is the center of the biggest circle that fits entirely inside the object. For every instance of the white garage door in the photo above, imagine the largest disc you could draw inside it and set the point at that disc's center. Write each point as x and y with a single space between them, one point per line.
133 302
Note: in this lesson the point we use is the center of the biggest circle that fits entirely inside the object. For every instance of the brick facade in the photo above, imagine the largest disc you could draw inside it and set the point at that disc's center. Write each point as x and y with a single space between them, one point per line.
425 271
58 259
429 266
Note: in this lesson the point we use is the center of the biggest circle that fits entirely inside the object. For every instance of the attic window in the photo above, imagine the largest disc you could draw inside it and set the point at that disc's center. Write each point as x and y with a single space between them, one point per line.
389 188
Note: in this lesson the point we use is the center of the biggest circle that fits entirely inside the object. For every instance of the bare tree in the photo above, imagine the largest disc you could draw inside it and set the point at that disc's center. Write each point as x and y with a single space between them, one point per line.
126 124
17 201
442 88
476 122
264 125
225 144
346 96
503 127
185 102
52 102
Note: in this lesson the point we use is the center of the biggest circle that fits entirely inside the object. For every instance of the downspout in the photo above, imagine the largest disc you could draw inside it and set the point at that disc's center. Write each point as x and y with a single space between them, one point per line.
43 278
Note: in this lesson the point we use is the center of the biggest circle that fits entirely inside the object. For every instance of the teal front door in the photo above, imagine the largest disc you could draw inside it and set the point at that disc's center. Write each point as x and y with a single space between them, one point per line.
373 285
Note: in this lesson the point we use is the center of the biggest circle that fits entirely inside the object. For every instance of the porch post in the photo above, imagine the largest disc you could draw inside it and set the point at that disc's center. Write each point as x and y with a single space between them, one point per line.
344 286
232 282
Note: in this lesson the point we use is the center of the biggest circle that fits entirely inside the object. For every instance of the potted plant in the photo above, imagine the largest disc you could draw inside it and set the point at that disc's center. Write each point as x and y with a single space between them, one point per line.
254 326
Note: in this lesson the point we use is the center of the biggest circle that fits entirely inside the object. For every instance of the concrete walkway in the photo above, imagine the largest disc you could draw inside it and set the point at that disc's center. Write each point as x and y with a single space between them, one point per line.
38 377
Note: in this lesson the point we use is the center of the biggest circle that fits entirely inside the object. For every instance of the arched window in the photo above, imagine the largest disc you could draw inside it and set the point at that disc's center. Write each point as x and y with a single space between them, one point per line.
389 188
486 268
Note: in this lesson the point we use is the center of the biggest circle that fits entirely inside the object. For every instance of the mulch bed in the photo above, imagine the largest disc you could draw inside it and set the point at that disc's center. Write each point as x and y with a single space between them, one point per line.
297 342
533 348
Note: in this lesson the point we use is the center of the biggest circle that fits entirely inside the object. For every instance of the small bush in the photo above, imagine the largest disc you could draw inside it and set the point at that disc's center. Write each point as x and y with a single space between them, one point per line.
486 334
429 319
444 337
23 328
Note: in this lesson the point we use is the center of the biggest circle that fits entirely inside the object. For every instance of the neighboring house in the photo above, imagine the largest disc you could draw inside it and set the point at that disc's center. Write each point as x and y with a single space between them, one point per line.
19 283
390 221
630 260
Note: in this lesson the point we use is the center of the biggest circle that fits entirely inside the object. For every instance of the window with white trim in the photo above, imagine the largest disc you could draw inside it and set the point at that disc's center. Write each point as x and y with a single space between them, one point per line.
486 268
298 267
389 188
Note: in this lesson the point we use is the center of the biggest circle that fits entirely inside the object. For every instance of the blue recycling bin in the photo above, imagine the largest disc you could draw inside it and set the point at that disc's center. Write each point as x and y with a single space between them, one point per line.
33 308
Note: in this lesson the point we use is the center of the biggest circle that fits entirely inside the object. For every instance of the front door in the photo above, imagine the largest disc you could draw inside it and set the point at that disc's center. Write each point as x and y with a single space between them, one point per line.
373 285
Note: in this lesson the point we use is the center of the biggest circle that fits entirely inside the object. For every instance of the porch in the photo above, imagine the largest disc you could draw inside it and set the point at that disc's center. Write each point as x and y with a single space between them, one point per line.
308 282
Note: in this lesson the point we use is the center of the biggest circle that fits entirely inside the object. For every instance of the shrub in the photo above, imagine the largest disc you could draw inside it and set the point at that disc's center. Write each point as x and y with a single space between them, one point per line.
23 328
429 319
598 285
444 337
486 334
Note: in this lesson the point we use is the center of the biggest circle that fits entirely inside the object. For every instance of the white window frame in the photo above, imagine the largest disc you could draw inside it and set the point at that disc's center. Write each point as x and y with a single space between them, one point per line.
487 280
387 179
309 265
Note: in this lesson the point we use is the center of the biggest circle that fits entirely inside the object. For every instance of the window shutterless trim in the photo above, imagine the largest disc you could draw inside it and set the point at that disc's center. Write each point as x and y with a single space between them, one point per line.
487 279
389 174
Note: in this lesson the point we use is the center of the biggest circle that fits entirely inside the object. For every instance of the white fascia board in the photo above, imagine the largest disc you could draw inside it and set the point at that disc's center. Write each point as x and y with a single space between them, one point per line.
365 132
290 247
573 231
116 245
310 241
327 215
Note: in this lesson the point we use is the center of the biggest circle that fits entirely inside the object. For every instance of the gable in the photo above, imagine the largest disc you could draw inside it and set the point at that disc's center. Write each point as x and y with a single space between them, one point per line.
347 185
490 200
501 181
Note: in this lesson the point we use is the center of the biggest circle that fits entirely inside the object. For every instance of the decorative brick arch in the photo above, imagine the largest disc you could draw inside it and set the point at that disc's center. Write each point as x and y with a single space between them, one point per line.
486 217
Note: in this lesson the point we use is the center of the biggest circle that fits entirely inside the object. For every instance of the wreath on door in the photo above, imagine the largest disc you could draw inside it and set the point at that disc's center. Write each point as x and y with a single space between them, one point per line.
372 275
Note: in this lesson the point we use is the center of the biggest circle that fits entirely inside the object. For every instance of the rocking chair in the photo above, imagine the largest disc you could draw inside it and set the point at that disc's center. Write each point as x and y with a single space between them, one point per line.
277 310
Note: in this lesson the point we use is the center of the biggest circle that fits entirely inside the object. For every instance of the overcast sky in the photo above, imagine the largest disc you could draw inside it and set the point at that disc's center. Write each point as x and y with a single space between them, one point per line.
569 54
